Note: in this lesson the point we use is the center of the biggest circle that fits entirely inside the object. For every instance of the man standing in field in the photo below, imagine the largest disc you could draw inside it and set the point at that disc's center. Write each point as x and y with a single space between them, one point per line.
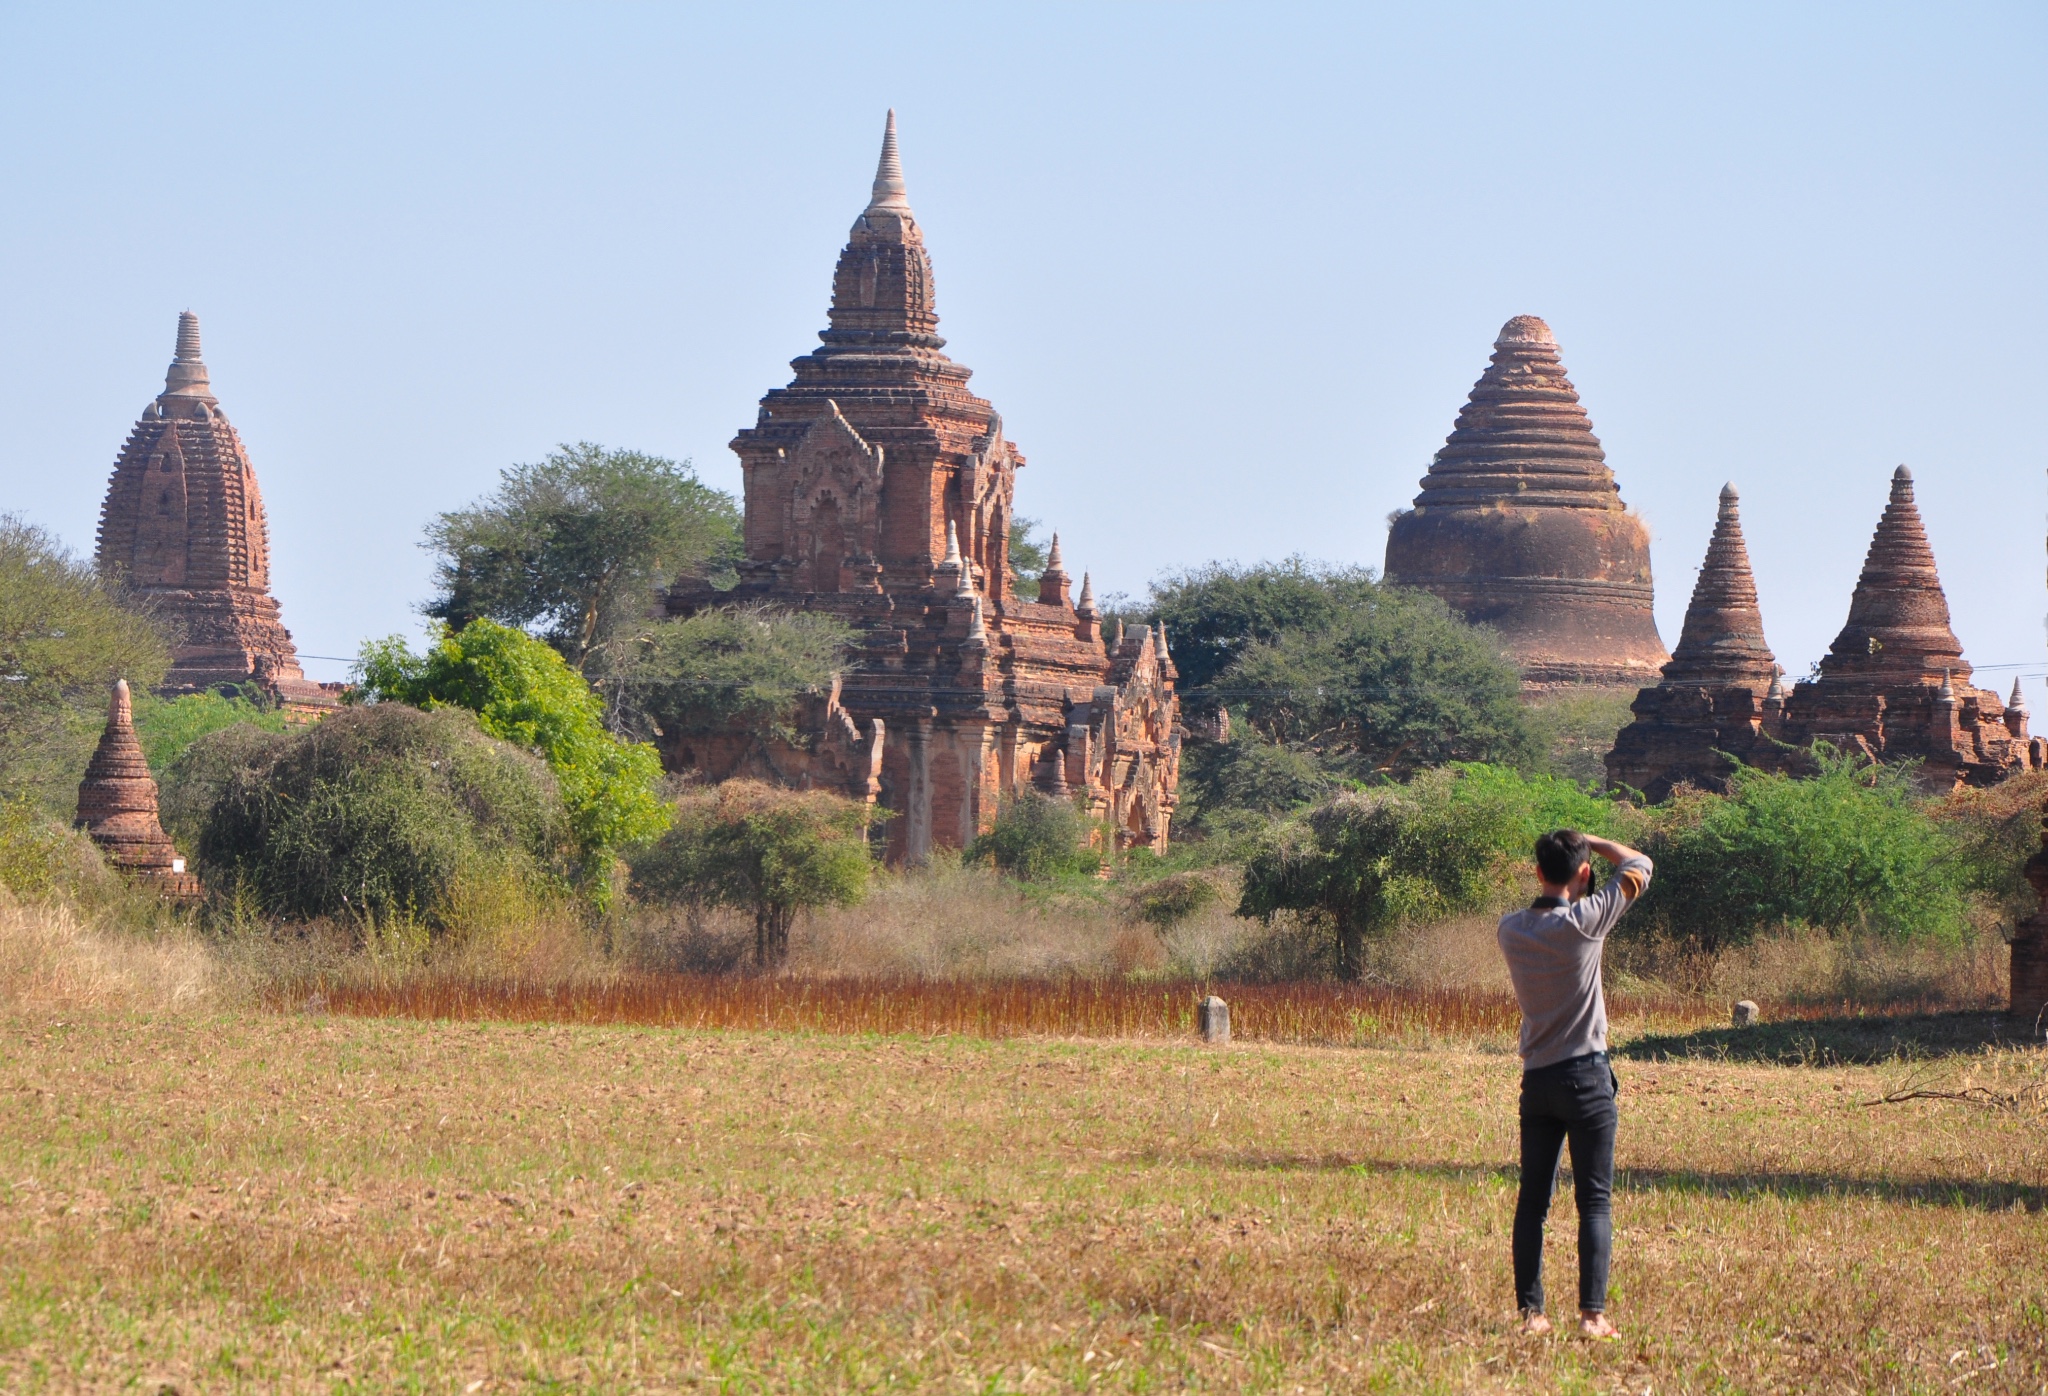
1553 952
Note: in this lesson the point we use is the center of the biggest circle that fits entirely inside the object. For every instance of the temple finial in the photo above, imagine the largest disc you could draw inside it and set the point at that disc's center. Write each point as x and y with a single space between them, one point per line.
889 189
1053 561
1731 502
2018 701
187 376
1087 601
1902 486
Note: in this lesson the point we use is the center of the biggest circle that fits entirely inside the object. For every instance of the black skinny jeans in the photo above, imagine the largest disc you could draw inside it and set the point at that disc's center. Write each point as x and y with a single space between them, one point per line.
1568 1100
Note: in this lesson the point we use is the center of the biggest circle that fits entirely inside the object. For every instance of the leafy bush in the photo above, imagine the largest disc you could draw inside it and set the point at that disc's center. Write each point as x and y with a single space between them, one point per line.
762 849
1454 841
1850 849
1038 839
40 858
166 727
374 815
1247 775
1215 613
1165 902
523 692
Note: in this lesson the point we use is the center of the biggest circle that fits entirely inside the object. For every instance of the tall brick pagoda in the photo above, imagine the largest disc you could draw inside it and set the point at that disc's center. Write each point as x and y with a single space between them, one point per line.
183 526
1709 705
1520 526
117 807
878 488
1894 684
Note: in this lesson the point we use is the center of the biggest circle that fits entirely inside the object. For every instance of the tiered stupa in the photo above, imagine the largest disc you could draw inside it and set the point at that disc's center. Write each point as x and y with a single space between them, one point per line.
879 489
183 527
117 807
1894 684
1710 704
1519 526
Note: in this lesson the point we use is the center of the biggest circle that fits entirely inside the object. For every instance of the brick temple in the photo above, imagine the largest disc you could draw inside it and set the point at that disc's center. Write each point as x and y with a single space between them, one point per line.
1708 708
183 527
878 488
117 808
1893 687
1520 526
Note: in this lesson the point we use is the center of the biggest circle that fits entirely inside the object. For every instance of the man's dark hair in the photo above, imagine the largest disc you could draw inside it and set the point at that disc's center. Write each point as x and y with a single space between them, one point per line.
1560 853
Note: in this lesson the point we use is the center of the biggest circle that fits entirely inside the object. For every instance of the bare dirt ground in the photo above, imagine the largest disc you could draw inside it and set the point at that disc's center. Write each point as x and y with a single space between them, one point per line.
254 1202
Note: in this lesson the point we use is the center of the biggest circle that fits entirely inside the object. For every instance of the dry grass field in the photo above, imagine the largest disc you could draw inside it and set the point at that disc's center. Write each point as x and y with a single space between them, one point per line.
228 1199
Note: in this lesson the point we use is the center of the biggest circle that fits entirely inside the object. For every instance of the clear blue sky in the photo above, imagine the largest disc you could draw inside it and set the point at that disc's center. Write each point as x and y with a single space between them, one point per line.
1227 272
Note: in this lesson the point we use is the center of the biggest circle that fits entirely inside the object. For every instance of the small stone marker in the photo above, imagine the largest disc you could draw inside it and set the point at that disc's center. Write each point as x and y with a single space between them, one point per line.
1745 1013
1213 1015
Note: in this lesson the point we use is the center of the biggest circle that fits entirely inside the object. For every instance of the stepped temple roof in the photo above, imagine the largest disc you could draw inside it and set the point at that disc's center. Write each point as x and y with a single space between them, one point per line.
117 805
1519 525
1898 629
880 489
183 525
1722 641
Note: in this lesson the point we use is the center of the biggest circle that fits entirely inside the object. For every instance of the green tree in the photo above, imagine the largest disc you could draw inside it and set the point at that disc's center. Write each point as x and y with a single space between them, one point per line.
1455 840
165 727
574 546
1027 558
65 636
758 848
1388 684
375 815
1038 839
727 667
523 692
1214 613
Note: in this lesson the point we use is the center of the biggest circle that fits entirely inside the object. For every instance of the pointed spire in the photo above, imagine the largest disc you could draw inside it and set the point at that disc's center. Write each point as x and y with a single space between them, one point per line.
1948 691
1086 605
117 798
966 587
1776 692
1723 640
890 194
1898 629
977 629
1053 561
951 561
2018 702
187 375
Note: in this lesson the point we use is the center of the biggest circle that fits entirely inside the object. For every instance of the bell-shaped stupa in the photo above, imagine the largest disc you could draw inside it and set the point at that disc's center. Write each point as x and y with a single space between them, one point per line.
1708 708
1519 526
117 806
183 527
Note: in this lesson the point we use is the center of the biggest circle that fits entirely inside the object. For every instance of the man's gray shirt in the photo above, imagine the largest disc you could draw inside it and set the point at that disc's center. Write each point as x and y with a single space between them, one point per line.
1553 955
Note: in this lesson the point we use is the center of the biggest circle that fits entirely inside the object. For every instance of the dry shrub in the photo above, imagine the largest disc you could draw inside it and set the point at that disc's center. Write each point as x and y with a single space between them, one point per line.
53 958
1804 966
950 921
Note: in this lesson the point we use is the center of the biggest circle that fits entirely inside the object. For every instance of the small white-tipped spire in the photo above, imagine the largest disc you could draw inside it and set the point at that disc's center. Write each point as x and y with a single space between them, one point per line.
952 557
1731 502
1053 561
966 587
1777 690
1948 692
120 708
1162 641
976 629
2018 701
890 193
1087 601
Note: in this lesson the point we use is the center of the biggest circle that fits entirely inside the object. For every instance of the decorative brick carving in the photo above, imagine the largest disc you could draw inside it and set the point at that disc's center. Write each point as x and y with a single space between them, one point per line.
1519 526
183 526
117 807
879 489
